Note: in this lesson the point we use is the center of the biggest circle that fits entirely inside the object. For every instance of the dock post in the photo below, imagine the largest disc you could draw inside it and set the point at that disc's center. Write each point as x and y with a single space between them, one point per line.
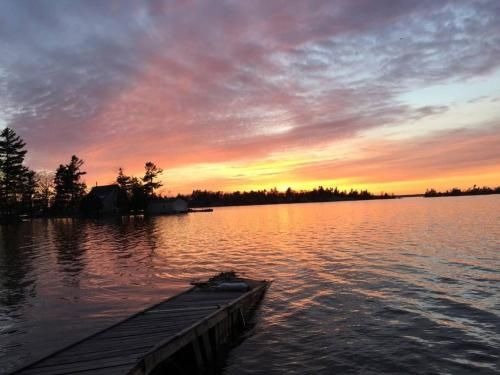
198 355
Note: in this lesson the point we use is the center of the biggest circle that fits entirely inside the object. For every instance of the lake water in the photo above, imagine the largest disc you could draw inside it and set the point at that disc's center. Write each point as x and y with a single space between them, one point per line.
395 286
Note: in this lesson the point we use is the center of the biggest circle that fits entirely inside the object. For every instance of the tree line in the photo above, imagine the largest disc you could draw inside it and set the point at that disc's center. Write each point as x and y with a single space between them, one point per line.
204 198
475 190
24 192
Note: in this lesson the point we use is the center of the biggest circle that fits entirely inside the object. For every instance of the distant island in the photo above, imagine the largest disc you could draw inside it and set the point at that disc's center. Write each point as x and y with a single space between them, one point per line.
475 190
204 198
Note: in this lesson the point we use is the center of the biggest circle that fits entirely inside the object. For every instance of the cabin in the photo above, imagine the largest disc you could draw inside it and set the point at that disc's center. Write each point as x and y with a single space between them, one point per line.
180 205
107 200
164 206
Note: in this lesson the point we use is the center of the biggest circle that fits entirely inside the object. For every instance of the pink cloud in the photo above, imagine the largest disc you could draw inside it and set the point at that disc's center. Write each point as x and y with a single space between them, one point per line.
188 82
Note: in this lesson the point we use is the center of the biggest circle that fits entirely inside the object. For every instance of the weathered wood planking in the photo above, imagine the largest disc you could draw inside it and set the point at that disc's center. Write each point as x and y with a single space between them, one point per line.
189 328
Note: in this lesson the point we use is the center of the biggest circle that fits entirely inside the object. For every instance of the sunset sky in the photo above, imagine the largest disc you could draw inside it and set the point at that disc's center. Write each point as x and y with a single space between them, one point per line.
388 95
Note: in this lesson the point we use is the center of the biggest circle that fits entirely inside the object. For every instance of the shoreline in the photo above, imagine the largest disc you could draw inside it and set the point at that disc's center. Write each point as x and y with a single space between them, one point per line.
195 208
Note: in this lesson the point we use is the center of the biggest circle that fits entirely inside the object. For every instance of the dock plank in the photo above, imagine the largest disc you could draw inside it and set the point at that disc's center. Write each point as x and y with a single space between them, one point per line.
101 354
75 368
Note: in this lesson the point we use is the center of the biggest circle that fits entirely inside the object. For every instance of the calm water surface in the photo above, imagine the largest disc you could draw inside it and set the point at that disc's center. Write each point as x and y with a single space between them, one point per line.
402 286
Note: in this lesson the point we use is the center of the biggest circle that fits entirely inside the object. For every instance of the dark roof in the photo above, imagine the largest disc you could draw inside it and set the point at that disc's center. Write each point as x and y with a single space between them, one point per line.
165 199
105 189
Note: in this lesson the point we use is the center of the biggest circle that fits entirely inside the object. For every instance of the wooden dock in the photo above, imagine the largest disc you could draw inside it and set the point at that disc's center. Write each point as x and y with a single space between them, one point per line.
186 334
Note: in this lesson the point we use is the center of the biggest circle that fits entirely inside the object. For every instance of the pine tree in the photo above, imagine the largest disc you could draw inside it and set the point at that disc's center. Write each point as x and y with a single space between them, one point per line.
152 172
12 171
69 189
125 182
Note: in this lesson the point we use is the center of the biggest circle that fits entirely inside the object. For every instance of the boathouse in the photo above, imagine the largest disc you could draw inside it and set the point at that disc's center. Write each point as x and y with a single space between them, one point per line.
164 206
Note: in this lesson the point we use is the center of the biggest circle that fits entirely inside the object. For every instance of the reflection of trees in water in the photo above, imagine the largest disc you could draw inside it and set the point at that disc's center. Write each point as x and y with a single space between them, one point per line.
16 264
120 247
69 241
150 236
137 236
133 242
124 246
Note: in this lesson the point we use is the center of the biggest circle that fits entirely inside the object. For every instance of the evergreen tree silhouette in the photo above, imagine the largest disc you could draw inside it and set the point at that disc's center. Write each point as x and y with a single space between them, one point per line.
12 171
69 189
152 172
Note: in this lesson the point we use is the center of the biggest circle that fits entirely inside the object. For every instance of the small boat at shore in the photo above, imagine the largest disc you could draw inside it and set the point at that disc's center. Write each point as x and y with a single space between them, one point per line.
189 333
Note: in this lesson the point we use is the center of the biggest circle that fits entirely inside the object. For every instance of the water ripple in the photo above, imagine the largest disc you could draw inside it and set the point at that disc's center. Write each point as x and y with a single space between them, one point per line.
406 286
